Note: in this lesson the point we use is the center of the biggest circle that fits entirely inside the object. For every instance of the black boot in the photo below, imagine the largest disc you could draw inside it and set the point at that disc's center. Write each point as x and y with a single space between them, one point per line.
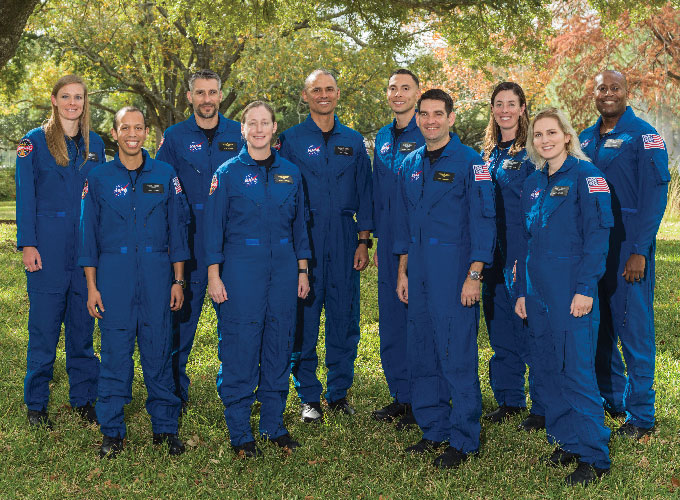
286 441
450 459
559 458
247 450
175 446
87 412
633 431
502 413
110 447
407 421
425 446
532 423
341 406
585 474
39 418
390 412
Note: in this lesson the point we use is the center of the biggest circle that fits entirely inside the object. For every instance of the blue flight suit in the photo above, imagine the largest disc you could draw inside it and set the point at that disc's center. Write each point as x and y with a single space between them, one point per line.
336 178
195 160
636 165
444 221
567 219
259 232
133 251
390 151
507 332
48 211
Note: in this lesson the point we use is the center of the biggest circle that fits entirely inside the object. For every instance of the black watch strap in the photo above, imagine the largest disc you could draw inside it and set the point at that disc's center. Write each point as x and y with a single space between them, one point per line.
181 283
303 271
366 241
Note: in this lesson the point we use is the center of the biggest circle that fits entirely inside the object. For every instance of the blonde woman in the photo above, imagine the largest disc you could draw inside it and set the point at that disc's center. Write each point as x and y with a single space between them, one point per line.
52 164
567 214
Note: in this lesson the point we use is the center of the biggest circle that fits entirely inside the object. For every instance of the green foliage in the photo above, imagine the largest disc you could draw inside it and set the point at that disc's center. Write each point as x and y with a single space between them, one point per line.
345 457
7 188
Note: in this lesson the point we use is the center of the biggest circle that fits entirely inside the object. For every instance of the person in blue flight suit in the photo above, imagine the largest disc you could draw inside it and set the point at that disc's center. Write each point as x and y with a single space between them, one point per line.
444 234
336 176
392 144
633 156
129 256
567 215
195 148
256 210
52 164
506 156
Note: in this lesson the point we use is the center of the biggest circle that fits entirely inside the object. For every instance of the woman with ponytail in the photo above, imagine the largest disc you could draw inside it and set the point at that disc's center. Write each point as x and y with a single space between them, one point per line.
52 164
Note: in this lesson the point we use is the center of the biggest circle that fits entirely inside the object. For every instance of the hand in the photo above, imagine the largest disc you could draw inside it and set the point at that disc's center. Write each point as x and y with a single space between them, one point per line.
521 308
176 297
361 258
217 290
469 296
635 268
402 288
95 304
580 305
375 256
303 285
31 258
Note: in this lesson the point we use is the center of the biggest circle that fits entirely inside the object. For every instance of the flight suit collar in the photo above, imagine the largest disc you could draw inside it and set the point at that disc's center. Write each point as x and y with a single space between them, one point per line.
410 126
245 158
311 125
625 122
147 161
566 166
221 123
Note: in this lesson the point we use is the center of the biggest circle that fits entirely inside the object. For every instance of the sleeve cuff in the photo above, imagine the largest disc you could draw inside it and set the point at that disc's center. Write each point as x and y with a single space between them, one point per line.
88 261
303 254
365 225
400 248
214 258
587 290
635 249
180 256
482 256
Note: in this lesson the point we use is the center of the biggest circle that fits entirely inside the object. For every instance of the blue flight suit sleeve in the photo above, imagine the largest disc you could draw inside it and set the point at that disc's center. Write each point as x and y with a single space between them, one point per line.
376 194
25 189
654 177
178 221
400 221
215 218
166 152
88 248
300 234
364 191
522 257
482 215
595 208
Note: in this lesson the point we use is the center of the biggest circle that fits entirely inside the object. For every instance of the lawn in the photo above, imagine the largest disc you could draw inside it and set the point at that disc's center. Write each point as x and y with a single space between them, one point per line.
8 210
345 457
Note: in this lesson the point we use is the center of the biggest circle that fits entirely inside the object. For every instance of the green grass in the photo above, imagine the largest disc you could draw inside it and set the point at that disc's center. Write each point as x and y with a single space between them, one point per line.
345 457
8 210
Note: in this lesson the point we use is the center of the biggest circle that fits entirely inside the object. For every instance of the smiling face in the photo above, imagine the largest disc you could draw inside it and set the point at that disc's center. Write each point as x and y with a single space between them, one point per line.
402 93
258 128
506 109
434 123
70 101
130 133
321 94
205 97
549 140
610 94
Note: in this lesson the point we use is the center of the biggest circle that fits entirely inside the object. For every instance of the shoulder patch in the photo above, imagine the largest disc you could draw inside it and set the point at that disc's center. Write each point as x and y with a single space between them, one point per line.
277 144
653 141
597 185
161 143
178 186
24 148
84 191
585 143
213 184
481 172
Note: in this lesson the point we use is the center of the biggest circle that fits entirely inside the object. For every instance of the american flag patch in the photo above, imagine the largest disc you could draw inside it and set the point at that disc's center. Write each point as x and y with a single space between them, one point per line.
597 185
178 186
213 184
653 141
481 172
84 190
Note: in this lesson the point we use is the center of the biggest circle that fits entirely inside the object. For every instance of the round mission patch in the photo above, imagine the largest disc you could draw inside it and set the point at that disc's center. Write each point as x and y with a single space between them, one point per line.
24 148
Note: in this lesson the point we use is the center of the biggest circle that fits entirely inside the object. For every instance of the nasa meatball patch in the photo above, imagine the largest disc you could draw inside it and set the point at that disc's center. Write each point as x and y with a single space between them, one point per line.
24 148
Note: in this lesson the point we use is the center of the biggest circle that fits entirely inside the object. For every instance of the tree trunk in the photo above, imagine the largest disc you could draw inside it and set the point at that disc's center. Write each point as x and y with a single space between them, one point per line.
13 17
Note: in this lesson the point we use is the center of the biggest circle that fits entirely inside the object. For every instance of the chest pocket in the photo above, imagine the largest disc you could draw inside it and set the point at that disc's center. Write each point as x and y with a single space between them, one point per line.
413 185
442 186
563 194
343 159
151 200
283 188
616 152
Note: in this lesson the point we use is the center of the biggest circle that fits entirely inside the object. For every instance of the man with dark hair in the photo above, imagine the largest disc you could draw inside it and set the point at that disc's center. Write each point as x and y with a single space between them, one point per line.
634 159
392 144
196 147
133 232
336 175
445 232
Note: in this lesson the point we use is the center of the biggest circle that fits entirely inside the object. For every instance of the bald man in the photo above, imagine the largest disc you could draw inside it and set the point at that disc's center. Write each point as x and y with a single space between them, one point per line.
634 159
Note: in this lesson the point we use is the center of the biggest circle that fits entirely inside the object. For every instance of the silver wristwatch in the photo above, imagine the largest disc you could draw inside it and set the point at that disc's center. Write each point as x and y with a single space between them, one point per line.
474 275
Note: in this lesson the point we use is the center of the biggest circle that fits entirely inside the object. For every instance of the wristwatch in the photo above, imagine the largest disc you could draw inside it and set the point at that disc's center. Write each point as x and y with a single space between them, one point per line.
181 283
303 271
474 275
365 241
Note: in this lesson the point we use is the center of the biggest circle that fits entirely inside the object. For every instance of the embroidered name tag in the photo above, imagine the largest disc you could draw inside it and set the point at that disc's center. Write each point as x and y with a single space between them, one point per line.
559 191
406 147
93 156
286 179
511 165
227 146
441 176
344 150
152 188
613 143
